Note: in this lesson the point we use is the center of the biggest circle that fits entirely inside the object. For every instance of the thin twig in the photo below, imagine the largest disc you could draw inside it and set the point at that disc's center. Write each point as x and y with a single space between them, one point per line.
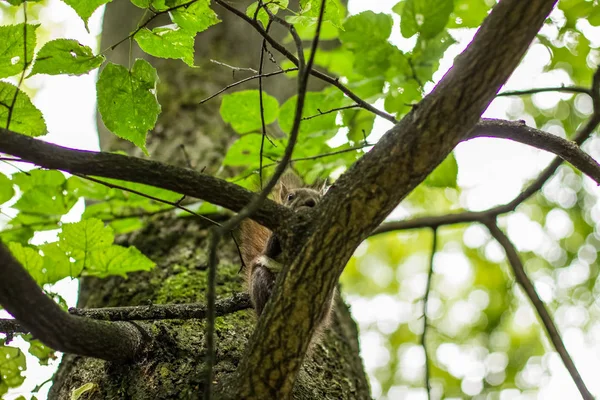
331 111
175 204
425 302
263 125
25 65
526 284
283 71
234 69
567 89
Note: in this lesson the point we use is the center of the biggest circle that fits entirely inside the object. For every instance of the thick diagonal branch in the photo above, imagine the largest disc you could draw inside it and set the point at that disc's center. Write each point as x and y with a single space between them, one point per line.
133 169
372 188
24 300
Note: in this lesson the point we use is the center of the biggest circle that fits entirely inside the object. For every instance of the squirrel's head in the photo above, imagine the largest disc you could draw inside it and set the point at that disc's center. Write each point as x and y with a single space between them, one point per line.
300 198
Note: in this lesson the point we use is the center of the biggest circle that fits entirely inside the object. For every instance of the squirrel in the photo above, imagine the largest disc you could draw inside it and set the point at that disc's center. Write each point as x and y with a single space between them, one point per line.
261 251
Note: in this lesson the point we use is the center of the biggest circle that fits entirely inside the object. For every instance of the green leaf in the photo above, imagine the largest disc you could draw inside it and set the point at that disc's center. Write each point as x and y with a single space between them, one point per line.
126 225
40 350
366 35
57 264
89 242
428 17
401 98
445 174
12 364
45 200
50 268
359 122
427 54
141 3
81 390
85 8
43 193
118 260
117 203
242 110
334 11
13 57
25 118
594 17
65 56
262 15
30 259
88 189
127 101
167 42
196 17
81 238
366 28
38 177
469 13
6 189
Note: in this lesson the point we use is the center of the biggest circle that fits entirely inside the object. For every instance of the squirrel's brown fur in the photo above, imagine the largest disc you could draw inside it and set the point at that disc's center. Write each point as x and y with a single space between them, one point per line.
255 236
260 249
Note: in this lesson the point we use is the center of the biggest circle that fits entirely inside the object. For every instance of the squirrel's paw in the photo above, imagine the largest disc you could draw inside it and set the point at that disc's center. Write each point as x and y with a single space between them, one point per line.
269 263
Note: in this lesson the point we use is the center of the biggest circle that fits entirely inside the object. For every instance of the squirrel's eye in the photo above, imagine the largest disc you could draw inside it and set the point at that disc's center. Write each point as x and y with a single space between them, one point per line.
290 197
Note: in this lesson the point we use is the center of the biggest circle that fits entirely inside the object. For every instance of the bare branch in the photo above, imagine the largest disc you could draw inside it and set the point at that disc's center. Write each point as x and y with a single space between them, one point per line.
153 312
519 132
523 280
23 299
133 169
12 326
237 302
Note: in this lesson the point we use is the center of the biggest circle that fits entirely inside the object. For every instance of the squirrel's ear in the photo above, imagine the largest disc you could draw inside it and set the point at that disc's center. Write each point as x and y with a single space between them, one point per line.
324 187
283 190
321 185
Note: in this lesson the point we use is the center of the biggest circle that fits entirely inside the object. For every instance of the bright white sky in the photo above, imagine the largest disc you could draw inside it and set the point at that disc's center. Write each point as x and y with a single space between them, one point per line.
490 172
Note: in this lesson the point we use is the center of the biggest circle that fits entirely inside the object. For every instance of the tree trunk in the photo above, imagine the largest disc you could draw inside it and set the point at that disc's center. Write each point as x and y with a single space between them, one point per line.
174 367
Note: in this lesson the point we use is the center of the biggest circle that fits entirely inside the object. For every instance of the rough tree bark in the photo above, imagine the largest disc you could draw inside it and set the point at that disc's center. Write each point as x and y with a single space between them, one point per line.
175 367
